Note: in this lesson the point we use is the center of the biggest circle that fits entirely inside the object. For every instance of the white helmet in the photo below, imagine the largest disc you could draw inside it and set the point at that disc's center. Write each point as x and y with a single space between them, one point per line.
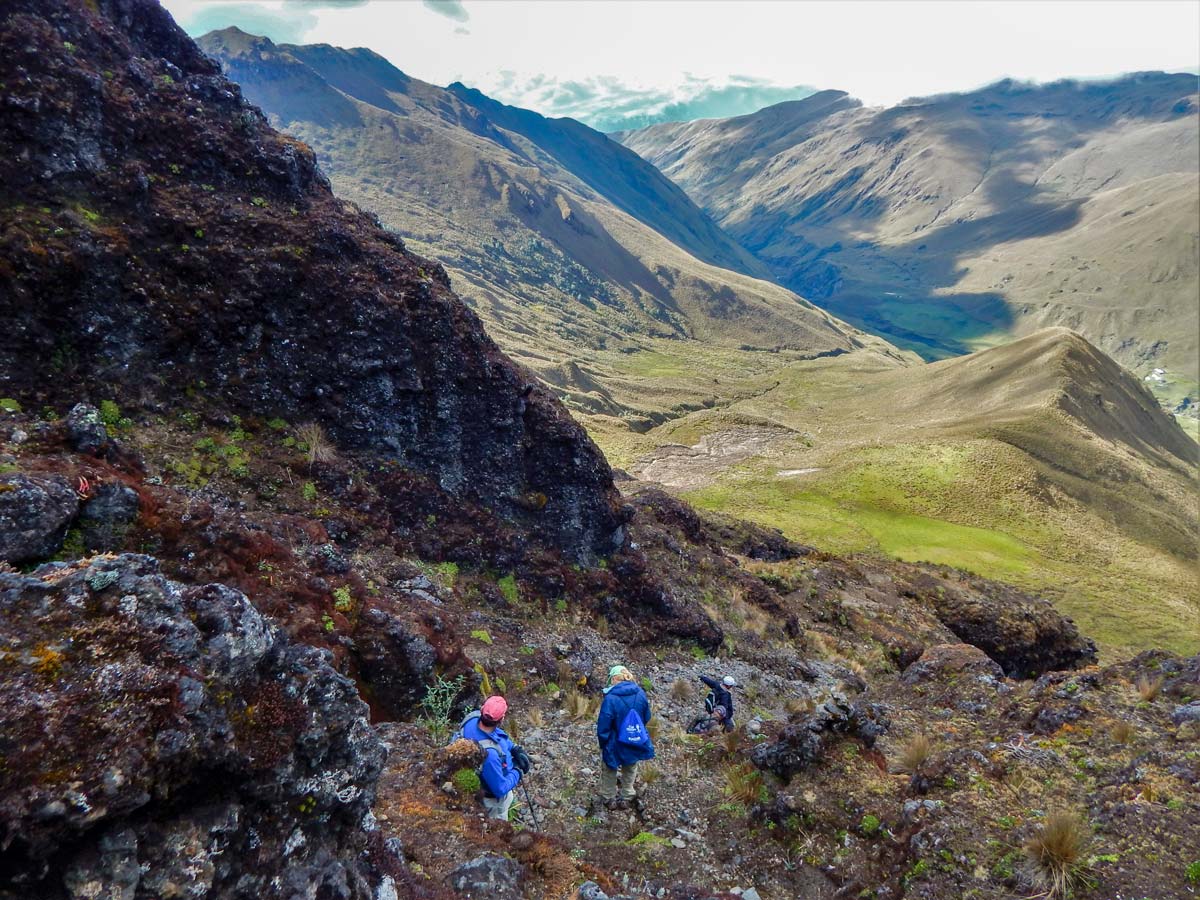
729 681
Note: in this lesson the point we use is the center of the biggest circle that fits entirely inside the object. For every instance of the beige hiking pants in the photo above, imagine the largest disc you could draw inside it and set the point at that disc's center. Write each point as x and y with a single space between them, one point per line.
608 782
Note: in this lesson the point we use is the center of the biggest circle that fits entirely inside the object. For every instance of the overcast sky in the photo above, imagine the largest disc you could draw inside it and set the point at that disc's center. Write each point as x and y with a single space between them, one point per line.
615 63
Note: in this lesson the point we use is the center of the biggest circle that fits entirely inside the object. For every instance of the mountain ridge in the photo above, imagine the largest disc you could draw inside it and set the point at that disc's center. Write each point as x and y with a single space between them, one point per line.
517 206
954 222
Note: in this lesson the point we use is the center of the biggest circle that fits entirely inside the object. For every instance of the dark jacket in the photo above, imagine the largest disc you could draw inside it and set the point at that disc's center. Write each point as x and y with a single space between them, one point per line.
618 700
718 696
498 774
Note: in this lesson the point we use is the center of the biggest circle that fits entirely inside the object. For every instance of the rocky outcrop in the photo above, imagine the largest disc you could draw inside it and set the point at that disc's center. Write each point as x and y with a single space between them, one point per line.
34 516
159 234
799 745
161 740
943 661
1024 634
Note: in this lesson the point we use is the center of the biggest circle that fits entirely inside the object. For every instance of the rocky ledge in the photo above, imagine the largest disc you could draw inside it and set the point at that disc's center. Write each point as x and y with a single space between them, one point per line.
222 759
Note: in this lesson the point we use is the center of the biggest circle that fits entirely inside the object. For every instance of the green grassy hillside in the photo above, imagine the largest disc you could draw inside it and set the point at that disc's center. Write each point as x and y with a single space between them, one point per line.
1040 463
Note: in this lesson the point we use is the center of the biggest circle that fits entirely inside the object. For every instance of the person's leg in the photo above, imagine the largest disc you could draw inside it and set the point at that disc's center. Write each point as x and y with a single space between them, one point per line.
608 783
629 781
498 809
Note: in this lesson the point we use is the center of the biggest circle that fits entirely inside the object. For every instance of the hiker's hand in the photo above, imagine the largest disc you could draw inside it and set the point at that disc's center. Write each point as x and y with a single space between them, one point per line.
521 760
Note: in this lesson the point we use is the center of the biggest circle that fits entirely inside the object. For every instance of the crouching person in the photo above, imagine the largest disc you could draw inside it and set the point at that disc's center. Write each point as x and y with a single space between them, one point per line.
504 763
624 740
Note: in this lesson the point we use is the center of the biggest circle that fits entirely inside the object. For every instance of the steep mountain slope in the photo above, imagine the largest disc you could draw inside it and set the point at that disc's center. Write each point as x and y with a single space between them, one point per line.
231 649
955 222
574 250
1041 462
160 237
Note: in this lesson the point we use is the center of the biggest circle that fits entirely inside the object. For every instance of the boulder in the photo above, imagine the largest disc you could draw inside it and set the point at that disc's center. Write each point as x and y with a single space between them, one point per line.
395 661
488 877
107 516
941 660
1186 712
86 432
35 513
1024 634
168 740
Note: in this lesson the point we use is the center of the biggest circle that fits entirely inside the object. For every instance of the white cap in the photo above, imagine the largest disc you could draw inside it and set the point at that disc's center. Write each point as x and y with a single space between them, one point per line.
728 681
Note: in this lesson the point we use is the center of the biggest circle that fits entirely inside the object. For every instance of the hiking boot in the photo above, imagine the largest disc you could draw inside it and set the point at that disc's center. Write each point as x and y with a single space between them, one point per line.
636 805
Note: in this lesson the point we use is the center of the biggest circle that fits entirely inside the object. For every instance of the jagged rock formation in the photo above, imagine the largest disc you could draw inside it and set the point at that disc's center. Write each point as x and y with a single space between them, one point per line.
799 745
161 740
159 236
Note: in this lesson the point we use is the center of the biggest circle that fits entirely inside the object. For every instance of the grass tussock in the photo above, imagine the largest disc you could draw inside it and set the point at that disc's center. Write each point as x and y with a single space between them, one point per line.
731 742
915 754
1056 854
1124 732
743 783
1149 688
580 706
319 448
796 705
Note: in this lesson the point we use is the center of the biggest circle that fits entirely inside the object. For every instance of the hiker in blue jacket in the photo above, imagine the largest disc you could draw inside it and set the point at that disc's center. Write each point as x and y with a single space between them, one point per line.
504 763
624 741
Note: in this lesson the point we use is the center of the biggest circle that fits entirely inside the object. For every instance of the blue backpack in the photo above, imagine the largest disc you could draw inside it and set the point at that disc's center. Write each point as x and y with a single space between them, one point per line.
633 731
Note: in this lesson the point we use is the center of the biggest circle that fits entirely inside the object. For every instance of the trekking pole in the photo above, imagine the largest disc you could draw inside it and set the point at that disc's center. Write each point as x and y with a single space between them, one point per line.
529 801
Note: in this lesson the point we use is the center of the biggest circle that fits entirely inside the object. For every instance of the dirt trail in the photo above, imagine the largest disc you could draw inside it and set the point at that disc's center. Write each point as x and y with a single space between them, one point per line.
686 468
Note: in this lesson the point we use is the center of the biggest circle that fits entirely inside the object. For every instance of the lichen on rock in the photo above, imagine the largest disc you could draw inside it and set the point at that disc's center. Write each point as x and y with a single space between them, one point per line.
161 739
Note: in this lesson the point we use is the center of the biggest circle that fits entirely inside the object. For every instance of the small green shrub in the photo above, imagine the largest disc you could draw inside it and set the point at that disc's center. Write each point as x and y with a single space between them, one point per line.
309 491
870 825
643 838
508 588
438 703
110 413
446 572
481 634
1192 872
466 781
258 201
8 404
342 601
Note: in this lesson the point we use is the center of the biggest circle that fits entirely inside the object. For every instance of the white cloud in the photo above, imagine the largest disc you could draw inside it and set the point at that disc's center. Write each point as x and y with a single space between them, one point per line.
879 51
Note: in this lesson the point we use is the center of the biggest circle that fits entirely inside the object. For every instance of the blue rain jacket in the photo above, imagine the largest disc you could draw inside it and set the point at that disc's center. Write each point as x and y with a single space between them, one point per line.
498 774
618 700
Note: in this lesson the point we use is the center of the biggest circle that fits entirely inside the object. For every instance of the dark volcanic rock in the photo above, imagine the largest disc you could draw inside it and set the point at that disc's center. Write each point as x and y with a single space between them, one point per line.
799 744
1024 634
107 516
488 877
395 662
160 234
86 431
34 516
161 740
951 659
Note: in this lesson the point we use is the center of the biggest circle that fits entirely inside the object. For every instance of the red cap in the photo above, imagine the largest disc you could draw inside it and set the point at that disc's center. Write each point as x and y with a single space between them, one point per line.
493 710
